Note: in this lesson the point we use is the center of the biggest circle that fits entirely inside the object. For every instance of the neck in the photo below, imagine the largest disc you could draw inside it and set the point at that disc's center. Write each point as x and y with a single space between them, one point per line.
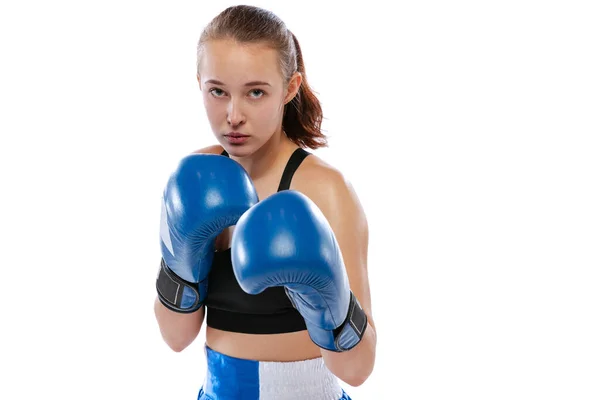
277 148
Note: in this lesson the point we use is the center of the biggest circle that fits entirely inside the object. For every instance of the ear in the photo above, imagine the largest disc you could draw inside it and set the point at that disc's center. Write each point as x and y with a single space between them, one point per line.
293 86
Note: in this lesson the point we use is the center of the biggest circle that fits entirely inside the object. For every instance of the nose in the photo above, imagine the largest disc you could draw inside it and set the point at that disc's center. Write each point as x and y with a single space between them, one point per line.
235 115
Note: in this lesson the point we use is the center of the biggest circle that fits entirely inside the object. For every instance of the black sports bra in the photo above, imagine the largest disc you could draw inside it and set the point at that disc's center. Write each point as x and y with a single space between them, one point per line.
229 308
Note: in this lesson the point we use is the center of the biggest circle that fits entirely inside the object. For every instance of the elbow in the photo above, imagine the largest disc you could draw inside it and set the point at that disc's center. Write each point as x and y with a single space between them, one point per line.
178 331
353 367
178 342
353 375
177 347
356 380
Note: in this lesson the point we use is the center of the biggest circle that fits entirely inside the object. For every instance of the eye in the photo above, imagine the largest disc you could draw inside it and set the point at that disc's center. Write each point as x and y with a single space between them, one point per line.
256 93
216 92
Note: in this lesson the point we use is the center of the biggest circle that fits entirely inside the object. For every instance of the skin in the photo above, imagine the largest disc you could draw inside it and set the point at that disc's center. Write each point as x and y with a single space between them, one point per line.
257 110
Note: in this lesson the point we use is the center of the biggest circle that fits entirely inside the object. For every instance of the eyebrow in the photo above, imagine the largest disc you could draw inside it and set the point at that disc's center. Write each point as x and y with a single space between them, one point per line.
252 83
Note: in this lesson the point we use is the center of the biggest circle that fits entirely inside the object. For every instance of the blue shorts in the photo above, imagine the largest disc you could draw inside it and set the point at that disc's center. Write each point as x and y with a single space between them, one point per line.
230 378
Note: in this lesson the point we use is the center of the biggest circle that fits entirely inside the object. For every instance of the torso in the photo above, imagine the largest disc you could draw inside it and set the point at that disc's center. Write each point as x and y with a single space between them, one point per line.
293 346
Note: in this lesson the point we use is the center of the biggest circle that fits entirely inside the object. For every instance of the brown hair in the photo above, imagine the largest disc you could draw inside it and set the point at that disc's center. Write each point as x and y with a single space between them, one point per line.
302 116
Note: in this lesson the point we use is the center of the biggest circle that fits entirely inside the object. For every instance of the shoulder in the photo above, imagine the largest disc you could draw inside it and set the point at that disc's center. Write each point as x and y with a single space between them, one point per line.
213 149
316 176
327 187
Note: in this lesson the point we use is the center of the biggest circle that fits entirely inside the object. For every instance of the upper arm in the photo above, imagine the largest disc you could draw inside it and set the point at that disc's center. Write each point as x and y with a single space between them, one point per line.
337 199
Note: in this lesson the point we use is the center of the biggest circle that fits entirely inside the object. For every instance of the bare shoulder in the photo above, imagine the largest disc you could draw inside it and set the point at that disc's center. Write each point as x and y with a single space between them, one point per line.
327 186
213 149
318 176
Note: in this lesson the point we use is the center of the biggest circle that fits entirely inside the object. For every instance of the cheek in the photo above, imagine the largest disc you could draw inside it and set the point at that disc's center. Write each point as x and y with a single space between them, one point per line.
270 111
214 109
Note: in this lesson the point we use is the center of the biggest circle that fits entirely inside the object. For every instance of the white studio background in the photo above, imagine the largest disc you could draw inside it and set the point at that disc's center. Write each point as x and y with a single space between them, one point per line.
469 130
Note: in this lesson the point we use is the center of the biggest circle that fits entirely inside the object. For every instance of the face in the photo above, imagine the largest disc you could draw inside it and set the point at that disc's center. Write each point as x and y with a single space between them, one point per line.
244 94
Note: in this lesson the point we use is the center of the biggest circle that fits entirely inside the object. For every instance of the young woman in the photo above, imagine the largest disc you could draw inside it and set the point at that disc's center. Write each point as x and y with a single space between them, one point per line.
261 235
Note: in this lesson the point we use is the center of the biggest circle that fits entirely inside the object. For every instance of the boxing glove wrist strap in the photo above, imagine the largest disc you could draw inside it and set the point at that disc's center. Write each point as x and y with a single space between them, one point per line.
175 293
351 332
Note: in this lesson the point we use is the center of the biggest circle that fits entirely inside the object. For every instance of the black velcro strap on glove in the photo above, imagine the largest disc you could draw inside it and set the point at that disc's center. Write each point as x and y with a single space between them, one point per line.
170 288
351 332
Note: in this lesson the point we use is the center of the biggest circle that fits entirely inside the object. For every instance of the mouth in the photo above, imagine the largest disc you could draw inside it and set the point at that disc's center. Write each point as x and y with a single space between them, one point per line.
236 137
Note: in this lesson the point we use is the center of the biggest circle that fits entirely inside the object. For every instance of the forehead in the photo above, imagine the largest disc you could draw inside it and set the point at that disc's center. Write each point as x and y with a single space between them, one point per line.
234 63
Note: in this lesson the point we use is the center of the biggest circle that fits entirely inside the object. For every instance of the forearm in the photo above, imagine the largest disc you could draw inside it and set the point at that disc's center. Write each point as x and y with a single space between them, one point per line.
178 329
354 366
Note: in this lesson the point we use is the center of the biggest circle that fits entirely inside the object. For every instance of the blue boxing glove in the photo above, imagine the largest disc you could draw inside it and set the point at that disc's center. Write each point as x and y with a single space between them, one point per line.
285 240
206 194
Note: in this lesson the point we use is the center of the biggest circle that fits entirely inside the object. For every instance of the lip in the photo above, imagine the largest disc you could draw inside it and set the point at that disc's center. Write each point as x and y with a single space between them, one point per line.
236 134
236 137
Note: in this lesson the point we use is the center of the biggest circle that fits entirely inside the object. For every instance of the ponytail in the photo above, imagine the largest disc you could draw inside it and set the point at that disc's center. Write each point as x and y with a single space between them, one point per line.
303 115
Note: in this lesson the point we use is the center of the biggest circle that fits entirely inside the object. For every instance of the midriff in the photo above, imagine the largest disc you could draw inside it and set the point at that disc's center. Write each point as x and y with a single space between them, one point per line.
294 346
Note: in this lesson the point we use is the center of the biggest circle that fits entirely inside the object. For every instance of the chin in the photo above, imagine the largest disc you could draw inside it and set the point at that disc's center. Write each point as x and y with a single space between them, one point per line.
238 150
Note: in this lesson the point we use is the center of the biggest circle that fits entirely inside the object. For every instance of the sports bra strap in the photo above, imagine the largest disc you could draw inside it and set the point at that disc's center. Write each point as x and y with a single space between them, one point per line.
292 165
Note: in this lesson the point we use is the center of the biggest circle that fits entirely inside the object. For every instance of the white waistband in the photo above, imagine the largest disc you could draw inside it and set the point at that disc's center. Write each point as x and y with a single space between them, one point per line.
309 379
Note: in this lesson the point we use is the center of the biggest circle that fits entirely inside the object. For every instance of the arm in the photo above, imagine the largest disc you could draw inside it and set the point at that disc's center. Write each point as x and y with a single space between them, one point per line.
205 194
325 276
343 210
178 330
